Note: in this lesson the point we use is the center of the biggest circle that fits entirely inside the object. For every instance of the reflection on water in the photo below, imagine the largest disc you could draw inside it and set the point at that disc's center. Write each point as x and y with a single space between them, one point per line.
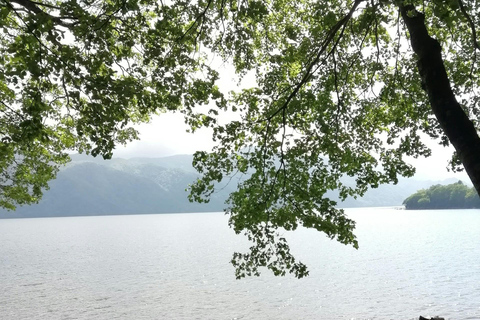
410 263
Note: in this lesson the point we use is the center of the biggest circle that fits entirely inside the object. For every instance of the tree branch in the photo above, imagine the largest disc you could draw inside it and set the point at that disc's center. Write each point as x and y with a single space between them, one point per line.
45 5
32 7
308 73
196 22
470 22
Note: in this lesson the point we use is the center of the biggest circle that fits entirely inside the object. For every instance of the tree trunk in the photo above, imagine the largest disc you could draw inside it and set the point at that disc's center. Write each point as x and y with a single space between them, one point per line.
457 126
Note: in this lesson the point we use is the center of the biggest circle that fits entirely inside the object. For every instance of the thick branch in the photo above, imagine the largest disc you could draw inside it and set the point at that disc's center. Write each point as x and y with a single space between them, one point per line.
32 7
457 126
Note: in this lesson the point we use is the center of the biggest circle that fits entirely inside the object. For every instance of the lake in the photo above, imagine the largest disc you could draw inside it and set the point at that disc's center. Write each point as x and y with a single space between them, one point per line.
176 266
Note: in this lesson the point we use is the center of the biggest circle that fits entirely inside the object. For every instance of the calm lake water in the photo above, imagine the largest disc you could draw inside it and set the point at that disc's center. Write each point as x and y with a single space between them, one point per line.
410 263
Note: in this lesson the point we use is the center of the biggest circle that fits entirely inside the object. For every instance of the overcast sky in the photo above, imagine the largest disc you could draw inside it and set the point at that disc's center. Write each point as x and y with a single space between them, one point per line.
166 135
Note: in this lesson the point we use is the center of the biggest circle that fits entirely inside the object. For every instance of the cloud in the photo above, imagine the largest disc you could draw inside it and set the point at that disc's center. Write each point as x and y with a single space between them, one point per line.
165 135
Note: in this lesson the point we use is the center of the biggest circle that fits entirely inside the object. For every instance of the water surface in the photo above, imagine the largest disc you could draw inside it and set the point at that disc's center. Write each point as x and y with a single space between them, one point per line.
410 263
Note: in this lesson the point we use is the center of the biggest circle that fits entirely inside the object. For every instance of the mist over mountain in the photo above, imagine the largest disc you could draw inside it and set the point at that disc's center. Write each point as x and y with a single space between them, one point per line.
93 186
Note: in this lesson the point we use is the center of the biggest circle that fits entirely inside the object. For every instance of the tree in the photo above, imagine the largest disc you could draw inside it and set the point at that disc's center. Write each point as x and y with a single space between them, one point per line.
472 200
339 92
418 200
453 196
75 74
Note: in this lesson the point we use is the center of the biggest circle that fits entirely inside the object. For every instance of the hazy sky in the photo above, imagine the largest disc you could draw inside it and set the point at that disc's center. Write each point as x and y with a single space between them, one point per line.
166 135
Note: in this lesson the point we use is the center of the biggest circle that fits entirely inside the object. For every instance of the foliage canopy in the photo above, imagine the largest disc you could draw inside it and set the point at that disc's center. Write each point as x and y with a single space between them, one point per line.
339 92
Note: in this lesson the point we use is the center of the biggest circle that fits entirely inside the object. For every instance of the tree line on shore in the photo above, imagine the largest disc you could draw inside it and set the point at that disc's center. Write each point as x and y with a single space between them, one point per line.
453 196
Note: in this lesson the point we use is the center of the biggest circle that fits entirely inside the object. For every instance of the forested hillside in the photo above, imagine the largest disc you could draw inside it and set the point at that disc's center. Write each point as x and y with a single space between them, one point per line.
453 196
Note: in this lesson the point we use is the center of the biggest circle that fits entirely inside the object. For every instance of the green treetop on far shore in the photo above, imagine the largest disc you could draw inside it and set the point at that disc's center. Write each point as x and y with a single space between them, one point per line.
453 196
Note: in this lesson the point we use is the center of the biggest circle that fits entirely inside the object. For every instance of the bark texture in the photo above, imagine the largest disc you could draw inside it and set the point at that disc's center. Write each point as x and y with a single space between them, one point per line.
457 126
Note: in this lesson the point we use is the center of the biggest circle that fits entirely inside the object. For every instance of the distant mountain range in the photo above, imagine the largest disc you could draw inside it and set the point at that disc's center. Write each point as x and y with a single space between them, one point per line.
90 186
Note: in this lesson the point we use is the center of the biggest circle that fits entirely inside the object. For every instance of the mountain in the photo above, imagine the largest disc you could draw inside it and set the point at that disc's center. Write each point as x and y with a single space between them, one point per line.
92 186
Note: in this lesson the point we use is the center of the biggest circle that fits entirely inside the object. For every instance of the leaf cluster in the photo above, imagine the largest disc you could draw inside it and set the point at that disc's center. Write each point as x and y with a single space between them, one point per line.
75 75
